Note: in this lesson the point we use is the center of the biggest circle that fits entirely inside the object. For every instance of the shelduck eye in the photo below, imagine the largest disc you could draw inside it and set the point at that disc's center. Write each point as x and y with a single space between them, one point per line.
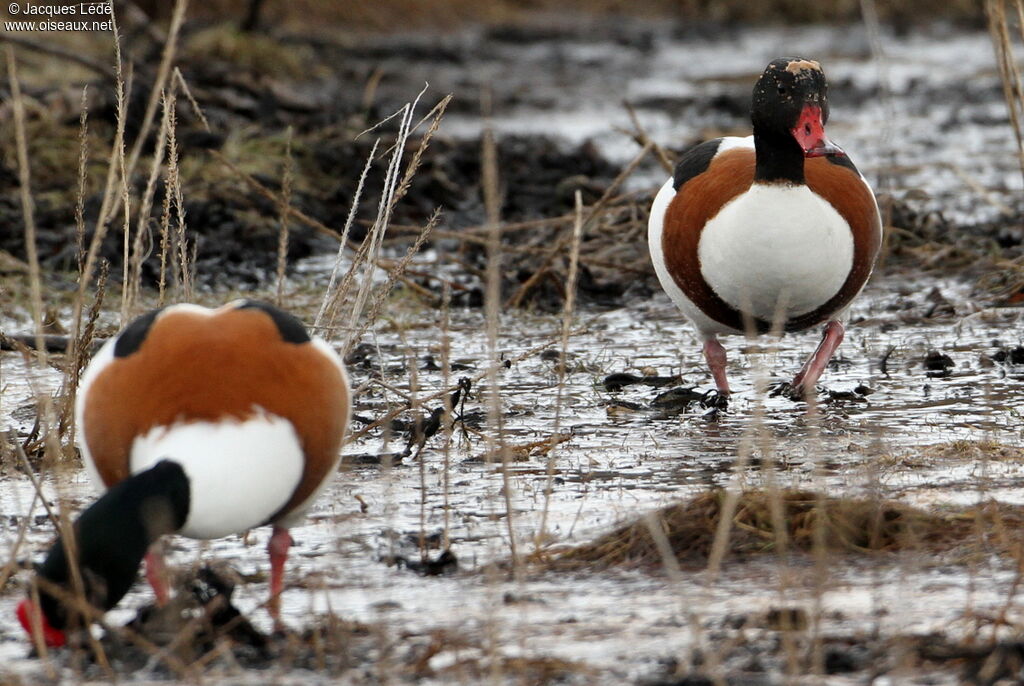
782 90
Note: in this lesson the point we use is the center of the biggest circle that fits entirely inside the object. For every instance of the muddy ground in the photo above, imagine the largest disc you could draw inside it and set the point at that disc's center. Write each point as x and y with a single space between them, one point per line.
921 407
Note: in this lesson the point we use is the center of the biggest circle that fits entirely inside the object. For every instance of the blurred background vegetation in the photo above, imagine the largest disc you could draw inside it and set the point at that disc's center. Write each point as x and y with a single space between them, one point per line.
399 15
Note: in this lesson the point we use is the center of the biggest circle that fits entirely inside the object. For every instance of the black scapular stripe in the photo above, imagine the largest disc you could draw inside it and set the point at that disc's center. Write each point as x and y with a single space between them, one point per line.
290 328
694 162
132 337
843 161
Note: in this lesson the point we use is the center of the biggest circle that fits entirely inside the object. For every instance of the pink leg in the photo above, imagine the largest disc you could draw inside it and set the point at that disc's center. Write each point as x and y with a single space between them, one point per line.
808 375
156 574
278 546
714 353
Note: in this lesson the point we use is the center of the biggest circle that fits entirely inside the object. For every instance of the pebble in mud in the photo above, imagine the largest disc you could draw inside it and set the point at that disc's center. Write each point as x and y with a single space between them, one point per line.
618 381
676 400
938 365
1012 356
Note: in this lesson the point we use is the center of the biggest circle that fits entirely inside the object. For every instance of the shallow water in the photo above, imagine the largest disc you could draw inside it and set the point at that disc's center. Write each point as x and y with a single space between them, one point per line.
617 465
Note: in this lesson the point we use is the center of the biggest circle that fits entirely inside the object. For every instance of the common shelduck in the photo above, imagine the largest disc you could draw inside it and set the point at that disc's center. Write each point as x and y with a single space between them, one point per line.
199 422
778 227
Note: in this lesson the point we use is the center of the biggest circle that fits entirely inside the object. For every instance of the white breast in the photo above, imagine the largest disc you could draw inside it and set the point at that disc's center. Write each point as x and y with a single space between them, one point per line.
776 249
240 472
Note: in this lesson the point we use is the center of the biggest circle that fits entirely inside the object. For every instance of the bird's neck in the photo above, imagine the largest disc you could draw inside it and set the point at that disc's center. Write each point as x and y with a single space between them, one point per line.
779 158
113 535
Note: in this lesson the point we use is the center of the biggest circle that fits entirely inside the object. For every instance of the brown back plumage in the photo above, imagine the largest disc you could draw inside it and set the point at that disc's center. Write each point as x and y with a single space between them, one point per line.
197 367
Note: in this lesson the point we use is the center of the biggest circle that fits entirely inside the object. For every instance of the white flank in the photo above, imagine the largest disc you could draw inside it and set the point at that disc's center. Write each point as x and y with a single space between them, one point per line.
97 364
776 249
706 326
240 472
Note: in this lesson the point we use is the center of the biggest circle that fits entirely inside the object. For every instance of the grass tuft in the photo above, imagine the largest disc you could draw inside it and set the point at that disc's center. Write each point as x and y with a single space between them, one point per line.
851 525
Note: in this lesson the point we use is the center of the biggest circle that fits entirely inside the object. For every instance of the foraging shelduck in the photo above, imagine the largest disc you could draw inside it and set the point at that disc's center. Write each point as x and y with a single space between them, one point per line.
778 227
199 422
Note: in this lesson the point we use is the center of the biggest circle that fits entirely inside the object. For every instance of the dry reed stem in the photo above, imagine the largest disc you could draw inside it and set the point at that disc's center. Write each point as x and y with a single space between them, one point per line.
435 112
106 209
165 219
142 231
172 187
35 621
551 253
626 172
157 88
83 163
92 255
1009 73
286 197
111 201
643 139
720 543
541 271
77 355
496 449
126 268
338 296
180 80
12 566
389 197
370 87
372 251
447 425
417 158
568 310
48 420
27 205
820 543
884 182
293 212
675 574
377 306
332 299
8 448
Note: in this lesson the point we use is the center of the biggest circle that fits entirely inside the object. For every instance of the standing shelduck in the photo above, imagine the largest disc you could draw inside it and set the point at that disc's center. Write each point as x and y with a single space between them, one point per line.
199 422
778 227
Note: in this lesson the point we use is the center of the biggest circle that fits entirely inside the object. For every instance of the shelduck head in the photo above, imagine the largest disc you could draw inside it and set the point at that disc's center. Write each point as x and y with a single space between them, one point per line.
791 101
